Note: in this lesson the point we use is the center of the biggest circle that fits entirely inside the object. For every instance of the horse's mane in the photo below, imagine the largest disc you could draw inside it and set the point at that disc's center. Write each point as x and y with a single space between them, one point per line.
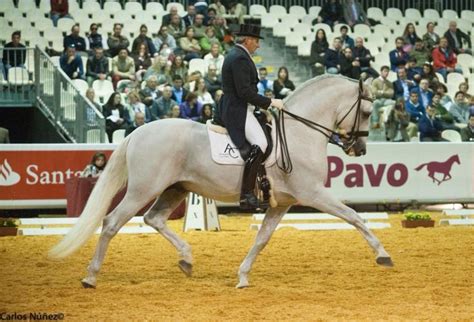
317 79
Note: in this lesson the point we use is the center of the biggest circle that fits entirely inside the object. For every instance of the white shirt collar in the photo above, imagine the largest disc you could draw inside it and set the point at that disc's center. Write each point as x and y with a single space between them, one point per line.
243 47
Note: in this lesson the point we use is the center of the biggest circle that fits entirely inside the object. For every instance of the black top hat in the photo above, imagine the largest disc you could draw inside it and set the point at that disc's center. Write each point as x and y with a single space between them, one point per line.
249 30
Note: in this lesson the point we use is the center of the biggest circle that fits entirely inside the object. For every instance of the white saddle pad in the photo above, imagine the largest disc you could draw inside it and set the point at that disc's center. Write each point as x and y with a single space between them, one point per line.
223 150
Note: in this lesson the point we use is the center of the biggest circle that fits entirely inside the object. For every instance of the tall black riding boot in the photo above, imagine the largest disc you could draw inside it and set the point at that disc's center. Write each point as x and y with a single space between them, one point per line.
248 200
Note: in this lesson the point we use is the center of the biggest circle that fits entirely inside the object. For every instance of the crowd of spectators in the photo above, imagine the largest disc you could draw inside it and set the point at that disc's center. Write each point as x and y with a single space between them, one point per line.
152 80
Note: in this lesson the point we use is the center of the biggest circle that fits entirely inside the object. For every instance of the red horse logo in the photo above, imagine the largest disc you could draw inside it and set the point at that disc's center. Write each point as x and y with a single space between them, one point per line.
440 167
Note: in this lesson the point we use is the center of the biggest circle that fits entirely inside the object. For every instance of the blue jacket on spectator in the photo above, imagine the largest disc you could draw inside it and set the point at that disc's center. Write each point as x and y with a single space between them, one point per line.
74 66
398 89
78 42
429 128
332 58
186 112
416 111
412 72
397 58
348 42
424 97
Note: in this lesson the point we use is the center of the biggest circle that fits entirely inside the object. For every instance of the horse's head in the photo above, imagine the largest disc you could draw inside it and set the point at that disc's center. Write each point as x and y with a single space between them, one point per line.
353 121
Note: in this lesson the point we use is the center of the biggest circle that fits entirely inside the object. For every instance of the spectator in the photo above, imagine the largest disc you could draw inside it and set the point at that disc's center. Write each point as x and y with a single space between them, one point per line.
116 116
424 93
59 10
123 67
203 95
348 66
413 72
136 106
398 123
94 39
166 20
164 38
97 66
319 47
403 86
176 27
445 99
179 68
459 109
264 83
332 57
219 94
420 53
175 112
190 109
198 27
117 42
191 84
220 28
429 126
190 15
213 81
464 87
96 167
200 6
354 13
179 93
160 67
383 91
208 40
413 106
363 56
398 56
144 39
92 117
444 59
74 39
442 114
283 86
409 36
206 113
455 39
431 38
162 106
150 93
14 53
268 93
142 60
215 57
139 120
218 7
71 64
346 40
189 45
331 13
467 133
4 136
429 73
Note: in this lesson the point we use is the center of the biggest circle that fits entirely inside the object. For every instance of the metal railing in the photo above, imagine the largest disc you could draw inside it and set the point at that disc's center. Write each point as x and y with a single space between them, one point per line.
63 104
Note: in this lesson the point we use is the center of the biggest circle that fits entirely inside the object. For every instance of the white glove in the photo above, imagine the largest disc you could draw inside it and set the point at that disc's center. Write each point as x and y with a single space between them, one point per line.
278 104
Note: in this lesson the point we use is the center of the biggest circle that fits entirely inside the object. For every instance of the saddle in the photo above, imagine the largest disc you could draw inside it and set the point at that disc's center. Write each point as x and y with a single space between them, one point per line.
224 152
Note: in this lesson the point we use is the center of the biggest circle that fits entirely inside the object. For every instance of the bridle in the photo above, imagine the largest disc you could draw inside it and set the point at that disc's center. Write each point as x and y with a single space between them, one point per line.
333 136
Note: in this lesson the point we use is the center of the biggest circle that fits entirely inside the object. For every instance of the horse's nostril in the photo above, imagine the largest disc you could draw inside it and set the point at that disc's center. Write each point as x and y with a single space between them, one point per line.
362 152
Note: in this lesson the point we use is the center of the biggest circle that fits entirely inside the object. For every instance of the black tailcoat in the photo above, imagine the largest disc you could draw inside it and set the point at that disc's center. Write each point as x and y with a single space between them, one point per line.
239 82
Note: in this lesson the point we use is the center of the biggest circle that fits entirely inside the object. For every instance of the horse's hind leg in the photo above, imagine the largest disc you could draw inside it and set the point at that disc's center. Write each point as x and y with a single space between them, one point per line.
157 216
270 222
112 223
327 203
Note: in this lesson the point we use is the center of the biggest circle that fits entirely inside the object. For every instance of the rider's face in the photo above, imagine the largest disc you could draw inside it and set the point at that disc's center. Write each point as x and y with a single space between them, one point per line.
252 44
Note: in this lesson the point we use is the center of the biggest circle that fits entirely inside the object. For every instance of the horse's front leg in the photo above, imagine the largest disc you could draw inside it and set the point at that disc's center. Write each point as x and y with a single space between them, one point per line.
324 201
270 222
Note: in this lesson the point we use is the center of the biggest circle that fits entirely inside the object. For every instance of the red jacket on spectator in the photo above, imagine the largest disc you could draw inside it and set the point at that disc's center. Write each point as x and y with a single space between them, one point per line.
440 60
60 7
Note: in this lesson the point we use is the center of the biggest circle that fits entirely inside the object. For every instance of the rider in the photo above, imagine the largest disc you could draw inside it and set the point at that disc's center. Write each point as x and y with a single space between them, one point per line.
239 80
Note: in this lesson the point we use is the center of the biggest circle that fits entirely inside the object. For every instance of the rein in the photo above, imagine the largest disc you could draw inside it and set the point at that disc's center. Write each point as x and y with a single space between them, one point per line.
334 137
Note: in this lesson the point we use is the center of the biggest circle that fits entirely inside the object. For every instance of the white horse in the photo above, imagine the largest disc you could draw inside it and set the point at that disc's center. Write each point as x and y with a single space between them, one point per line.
165 160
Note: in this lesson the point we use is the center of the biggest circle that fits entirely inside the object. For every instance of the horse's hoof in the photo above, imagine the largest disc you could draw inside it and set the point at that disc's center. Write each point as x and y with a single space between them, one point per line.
384 261
86 284
186 267
242 285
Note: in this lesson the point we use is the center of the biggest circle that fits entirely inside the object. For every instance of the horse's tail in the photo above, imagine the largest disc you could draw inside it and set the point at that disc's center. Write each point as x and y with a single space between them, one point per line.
418 168
110 182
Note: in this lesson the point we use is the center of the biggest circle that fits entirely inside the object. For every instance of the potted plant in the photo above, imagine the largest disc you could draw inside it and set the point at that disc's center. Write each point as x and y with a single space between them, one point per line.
414 219
8 227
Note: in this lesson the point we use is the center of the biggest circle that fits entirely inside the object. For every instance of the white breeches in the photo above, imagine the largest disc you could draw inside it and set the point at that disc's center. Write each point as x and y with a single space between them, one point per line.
253 131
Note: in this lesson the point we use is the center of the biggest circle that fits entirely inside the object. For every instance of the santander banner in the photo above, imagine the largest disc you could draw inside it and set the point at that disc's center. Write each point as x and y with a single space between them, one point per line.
34 175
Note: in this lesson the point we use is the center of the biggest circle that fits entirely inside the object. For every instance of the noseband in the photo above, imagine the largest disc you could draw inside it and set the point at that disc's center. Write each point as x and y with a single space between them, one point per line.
334 137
